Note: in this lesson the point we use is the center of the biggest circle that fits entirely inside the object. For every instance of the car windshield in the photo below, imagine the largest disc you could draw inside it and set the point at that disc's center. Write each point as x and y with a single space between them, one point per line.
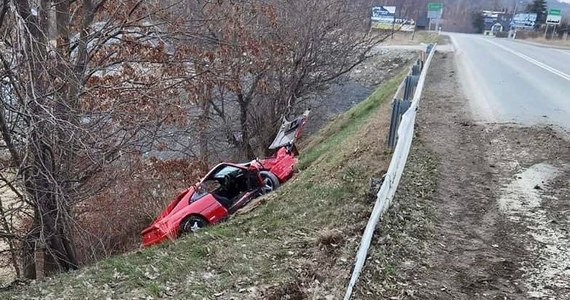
224 171
205 188
198 193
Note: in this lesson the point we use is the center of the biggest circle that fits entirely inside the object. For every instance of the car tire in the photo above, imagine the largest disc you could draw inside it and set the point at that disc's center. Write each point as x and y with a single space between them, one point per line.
191 224
270 182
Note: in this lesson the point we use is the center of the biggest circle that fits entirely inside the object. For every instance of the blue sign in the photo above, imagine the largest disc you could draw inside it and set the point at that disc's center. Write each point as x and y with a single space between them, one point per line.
384 14
525 20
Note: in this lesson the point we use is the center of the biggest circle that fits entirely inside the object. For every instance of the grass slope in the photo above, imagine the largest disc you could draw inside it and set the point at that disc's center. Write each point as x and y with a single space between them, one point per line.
301 242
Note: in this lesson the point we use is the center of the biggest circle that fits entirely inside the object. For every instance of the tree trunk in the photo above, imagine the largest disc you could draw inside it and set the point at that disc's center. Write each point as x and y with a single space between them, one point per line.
40 261
246 148
53 246
203 139
51 227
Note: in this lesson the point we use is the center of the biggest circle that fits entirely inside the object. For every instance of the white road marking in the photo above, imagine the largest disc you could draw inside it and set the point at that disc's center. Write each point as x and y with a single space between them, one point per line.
532 60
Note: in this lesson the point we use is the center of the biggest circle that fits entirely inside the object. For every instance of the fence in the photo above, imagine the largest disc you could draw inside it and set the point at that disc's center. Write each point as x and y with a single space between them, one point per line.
401 135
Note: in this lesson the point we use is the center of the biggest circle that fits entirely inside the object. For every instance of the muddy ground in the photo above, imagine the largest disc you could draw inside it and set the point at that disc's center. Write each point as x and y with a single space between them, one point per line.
483 211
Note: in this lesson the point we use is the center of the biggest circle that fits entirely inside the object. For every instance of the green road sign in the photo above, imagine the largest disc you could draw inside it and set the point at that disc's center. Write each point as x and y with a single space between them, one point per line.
554 12
435 6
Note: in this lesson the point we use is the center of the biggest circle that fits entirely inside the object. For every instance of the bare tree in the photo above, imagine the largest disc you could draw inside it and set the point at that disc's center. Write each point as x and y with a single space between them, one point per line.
260 58
86 83
100 98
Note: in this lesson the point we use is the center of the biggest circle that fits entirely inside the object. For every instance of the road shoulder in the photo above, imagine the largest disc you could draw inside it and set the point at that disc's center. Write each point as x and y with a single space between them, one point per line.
543 45
479 212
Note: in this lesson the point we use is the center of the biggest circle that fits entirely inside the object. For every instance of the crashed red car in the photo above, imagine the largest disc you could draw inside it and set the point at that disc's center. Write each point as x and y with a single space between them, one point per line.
227 188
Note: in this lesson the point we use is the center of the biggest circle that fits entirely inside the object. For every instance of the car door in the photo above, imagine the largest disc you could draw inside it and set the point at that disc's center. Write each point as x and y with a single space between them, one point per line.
290 131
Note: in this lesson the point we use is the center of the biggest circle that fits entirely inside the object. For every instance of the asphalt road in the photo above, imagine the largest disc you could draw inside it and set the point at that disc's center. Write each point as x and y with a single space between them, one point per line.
510 81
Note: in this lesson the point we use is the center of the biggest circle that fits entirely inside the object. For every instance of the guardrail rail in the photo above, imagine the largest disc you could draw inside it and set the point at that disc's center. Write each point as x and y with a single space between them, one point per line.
400 139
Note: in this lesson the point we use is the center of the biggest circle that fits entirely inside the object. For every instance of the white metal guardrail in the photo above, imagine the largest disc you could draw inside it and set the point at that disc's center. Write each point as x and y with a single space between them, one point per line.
392 178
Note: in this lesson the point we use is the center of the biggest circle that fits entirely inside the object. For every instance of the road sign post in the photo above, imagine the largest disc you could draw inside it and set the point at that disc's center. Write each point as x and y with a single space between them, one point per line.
554 18
435 11
384 16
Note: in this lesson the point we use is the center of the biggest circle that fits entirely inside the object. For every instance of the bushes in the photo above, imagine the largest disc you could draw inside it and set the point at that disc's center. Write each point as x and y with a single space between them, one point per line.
110 222
502 34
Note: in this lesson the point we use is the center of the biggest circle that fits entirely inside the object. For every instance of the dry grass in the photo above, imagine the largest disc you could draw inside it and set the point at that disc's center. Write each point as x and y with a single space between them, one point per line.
298 243
561 43
404 231
408 38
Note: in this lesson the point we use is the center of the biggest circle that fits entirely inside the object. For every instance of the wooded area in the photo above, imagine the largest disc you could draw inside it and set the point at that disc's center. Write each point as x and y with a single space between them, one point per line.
109 107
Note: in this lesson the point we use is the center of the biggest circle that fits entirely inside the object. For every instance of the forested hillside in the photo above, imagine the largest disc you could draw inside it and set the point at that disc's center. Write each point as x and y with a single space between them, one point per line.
109 108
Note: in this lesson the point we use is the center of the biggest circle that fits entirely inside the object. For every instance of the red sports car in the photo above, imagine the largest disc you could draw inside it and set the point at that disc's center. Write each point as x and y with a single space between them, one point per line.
227 188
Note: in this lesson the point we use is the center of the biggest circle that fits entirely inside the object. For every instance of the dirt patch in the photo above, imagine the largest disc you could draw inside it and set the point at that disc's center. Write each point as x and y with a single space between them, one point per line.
534 189
521 201
497 228
402 236
291 291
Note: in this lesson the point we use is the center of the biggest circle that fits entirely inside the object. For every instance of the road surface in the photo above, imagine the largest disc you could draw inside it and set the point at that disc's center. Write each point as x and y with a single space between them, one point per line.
510 81
482 208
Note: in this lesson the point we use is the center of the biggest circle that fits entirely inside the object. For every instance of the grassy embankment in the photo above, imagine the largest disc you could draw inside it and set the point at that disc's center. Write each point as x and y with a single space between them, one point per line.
409 38
300 241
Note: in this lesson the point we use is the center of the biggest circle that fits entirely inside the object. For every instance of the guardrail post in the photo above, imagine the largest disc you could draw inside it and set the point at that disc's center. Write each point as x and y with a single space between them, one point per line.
400 106
404 106
429 48
401 145
408 88
415 79
394 122
416 69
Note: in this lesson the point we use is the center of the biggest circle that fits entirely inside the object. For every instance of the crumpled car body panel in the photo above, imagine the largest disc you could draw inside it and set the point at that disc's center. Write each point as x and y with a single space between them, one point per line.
167 224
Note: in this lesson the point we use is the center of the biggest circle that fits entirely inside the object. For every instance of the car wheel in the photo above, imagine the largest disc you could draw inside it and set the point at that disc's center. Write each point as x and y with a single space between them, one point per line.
192 224
270 182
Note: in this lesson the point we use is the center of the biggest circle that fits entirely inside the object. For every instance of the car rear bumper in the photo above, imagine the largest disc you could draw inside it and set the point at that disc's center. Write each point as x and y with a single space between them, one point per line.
152 236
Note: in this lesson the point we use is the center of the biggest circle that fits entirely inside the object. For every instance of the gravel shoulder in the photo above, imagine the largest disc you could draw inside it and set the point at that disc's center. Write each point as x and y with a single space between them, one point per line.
482 212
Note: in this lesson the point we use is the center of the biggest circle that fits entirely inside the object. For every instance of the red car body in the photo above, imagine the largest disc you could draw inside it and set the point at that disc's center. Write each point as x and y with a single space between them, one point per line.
235 185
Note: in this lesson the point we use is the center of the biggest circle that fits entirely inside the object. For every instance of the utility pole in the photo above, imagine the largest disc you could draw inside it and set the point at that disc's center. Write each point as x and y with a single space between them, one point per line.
513 29
394 22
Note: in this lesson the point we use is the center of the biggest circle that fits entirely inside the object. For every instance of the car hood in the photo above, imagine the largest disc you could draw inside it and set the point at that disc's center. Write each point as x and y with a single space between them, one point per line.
181 201
290 131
